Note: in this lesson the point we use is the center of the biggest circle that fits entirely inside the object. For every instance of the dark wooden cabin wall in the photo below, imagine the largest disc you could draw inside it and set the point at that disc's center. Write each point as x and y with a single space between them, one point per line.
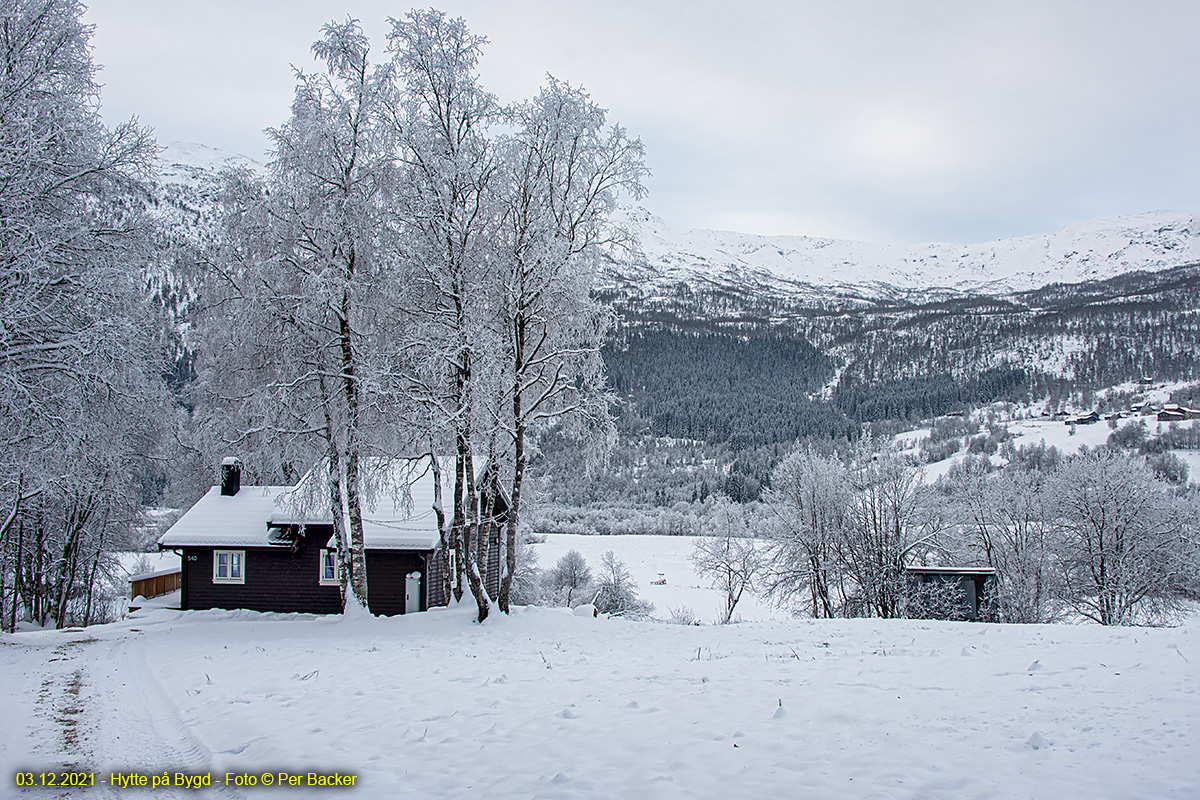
277 579
386 573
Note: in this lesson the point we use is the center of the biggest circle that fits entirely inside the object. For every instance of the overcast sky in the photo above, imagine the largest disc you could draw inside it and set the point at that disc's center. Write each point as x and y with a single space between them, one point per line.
889 121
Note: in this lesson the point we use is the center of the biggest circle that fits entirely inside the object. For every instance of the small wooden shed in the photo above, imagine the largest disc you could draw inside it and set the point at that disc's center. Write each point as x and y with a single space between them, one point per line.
949 592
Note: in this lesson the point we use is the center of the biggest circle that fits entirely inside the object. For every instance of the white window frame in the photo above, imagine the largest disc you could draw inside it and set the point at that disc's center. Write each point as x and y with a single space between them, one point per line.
234 558
336 580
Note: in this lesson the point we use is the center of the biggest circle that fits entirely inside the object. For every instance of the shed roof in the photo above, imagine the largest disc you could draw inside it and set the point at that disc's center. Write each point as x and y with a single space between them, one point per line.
952 570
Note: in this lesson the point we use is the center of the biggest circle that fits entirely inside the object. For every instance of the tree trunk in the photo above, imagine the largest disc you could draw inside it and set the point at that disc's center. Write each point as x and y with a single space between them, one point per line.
16 590
4 570
439 512
337 512
358 555
471 531
459 541
510 533
91 583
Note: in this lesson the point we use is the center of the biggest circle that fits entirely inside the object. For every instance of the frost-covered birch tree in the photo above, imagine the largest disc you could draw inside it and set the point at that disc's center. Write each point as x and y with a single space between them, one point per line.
447 212
886 521
728 555
79 380
570 578
808 502
425 276
303 278
562 173
1007 520
1124 542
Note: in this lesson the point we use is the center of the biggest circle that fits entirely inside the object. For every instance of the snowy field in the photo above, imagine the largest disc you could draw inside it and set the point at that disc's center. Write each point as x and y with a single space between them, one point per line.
647 556
547 704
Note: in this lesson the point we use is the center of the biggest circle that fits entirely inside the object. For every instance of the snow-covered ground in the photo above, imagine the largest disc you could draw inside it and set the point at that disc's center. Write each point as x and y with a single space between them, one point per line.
1056 433
1034 431
546 703
647 556
549 703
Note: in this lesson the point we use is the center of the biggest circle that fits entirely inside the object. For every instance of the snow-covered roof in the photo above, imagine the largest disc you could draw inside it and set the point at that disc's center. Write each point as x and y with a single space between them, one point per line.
953 570
144 575
393 518
219 520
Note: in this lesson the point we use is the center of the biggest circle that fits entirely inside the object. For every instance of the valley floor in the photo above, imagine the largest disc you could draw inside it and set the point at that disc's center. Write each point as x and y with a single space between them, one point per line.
548 704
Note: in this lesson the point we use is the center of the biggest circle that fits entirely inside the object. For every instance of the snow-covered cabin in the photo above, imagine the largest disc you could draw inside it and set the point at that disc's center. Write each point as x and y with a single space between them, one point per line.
270 548
1173 412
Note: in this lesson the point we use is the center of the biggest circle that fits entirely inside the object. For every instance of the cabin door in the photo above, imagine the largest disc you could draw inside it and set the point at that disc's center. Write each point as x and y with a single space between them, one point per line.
412 592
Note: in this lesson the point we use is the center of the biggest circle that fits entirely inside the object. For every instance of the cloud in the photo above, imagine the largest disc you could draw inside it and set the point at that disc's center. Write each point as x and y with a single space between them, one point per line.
923 120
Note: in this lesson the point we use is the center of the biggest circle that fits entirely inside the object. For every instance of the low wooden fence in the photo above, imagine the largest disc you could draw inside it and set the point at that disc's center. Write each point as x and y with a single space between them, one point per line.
152 584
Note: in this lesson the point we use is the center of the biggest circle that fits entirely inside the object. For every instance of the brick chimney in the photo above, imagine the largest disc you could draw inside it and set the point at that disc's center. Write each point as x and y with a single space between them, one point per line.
231 476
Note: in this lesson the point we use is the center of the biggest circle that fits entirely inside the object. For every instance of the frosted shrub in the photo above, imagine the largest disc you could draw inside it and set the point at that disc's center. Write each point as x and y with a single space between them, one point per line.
528 583
683 615
568 582
1130 436
617 591
936 599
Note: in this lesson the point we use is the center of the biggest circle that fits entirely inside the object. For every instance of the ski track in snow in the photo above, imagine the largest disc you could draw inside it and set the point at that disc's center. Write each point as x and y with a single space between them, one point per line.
547 704
93 705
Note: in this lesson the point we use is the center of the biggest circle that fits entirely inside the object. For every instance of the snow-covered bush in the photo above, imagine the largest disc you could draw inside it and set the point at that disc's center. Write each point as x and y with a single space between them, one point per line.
684 615
933 452
616 590
1130 436
982 444
1168 467
568 582
528 582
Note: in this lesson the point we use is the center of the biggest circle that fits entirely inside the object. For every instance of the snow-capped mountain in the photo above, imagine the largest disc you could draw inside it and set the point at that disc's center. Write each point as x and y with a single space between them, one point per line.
806 266
187 188
1090 251
198 165
779 337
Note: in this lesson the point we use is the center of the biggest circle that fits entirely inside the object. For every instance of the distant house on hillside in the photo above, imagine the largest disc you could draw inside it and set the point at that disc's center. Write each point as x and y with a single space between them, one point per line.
1173 412
1091 418
257 547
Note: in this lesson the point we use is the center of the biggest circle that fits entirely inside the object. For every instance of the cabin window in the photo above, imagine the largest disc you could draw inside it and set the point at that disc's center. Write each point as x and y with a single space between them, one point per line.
330 575
229 566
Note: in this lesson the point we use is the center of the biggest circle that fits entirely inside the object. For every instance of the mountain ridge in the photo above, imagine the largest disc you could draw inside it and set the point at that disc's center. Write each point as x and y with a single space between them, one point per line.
818 269
1094 250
